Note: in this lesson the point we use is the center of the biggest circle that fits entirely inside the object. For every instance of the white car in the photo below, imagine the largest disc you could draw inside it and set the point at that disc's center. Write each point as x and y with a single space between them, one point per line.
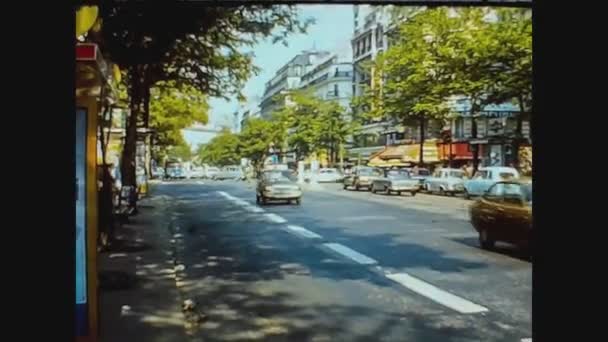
329 175
446 181
197 172
211 172
485 177
230 172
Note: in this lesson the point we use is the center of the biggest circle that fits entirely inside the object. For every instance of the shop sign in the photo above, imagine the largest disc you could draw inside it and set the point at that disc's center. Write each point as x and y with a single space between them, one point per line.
496 126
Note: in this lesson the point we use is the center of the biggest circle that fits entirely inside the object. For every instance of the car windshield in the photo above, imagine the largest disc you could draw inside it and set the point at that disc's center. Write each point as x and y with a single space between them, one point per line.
398 174
279 176
507 175
366 172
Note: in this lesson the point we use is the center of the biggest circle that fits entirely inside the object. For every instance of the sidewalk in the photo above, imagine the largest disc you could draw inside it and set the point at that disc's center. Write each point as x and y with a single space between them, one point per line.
139 300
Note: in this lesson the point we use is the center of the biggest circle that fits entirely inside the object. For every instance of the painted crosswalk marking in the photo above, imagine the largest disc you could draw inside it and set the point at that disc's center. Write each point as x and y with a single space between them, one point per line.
350 254
436 294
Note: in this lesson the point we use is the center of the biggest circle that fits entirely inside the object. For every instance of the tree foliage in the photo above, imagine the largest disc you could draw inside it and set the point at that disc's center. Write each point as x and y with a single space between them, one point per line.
222 150
257 138
173 109
315 125
481 54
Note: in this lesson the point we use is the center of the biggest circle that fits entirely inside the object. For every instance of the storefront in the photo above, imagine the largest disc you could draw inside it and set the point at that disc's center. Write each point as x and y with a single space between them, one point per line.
460 152
406 155
93 79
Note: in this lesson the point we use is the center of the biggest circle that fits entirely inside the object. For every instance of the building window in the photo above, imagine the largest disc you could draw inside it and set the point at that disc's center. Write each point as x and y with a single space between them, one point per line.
369 42
336 94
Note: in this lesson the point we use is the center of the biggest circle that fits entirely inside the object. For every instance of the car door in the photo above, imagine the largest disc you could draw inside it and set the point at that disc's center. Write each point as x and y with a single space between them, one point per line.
484 183
490 209
515 216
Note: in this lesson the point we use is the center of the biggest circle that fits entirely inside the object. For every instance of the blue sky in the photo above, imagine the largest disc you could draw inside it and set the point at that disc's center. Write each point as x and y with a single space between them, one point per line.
332 31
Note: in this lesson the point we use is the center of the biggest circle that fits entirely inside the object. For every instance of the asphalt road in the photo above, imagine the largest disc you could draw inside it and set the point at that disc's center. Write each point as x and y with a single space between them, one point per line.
343 266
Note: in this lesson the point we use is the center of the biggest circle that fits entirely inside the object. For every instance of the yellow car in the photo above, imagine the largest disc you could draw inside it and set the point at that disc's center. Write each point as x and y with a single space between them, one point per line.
504 213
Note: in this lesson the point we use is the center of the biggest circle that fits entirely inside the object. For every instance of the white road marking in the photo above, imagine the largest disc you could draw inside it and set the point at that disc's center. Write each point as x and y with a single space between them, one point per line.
366 218
529 339
200 182
436 294
254 209
351 254
301 231
275 218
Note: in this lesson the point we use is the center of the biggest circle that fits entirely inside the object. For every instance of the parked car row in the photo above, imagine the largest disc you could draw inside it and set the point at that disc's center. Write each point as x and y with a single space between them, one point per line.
502 213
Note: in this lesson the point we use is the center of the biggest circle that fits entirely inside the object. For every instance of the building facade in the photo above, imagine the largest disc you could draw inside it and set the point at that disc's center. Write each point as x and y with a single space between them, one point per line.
330 80
288 78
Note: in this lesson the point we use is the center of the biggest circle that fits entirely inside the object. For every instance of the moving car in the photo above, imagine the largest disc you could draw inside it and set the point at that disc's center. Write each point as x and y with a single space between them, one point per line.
396 181
361 177
230 172
278 185
504 213
446 181
485 177
329 175
211 172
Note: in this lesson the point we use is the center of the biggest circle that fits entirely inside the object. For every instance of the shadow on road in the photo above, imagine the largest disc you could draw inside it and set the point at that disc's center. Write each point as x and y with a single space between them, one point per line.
501 248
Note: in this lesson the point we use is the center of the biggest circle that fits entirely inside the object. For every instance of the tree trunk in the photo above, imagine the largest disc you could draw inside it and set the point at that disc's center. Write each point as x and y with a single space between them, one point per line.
129 149
422 137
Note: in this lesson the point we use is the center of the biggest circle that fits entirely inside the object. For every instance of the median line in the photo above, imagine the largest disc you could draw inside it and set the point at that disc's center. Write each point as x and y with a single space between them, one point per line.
436 294
350 254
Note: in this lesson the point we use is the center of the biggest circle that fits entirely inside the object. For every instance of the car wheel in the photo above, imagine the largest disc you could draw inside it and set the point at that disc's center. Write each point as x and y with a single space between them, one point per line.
466 194
413 193
485 240
345 186
298 201
264 200
441 191
398 193
357 187
373 189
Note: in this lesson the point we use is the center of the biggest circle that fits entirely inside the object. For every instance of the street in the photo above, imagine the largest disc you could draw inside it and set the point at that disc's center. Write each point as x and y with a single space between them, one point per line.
343 266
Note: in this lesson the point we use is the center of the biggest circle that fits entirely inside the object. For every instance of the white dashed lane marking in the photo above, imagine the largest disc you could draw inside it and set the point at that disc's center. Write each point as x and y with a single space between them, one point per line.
529 339
275 218
302 232
350 254
436 294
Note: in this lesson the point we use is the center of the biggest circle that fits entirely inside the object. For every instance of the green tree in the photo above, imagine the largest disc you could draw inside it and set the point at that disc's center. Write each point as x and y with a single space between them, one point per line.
182 151
258 137
409 79
201 49
173 109
222 150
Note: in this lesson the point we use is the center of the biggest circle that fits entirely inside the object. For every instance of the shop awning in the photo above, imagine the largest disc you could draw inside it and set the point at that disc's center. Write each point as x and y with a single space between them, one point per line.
407 154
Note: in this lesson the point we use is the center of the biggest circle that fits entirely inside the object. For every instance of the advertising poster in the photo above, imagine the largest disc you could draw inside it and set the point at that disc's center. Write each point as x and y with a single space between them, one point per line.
80 196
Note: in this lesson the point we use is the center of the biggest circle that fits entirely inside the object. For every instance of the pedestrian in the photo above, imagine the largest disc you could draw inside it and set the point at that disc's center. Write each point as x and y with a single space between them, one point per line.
469 170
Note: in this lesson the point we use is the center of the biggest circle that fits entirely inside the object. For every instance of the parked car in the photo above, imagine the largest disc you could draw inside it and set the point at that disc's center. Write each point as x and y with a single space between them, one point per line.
362 177
420 175
329 175
396 181
197 172
158 172
211 172
504 213
485 177
230 172
278 185
446 181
